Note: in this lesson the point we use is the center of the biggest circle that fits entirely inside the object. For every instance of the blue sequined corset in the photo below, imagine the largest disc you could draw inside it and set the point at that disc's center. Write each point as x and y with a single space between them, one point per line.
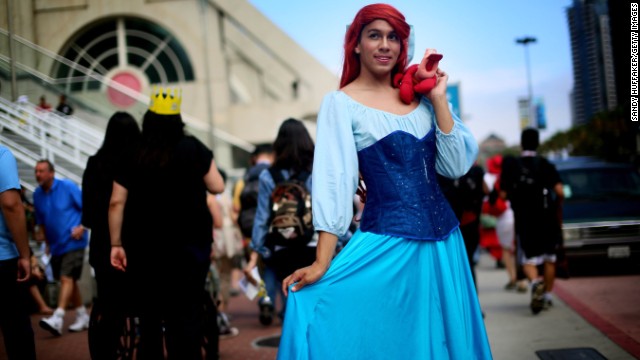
403 195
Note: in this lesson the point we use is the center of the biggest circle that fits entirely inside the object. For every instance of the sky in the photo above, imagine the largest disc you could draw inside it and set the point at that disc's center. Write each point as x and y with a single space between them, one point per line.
477 39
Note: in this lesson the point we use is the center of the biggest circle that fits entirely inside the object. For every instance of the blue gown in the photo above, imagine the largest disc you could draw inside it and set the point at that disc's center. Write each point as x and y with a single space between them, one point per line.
402 287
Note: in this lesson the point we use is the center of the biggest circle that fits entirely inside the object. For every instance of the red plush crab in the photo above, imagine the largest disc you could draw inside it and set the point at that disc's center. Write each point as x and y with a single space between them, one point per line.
419 78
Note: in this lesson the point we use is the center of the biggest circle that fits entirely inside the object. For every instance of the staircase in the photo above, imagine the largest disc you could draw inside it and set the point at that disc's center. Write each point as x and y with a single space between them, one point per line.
66 141
32 135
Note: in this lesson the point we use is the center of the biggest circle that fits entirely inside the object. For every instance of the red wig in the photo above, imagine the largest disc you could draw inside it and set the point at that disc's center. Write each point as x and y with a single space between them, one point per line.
366 15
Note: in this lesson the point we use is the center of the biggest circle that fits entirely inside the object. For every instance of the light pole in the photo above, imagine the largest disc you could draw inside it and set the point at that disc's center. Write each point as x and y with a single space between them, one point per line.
525 41
205 39
12 60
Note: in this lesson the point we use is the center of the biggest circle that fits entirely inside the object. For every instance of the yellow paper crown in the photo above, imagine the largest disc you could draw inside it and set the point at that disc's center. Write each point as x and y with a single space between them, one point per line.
165 101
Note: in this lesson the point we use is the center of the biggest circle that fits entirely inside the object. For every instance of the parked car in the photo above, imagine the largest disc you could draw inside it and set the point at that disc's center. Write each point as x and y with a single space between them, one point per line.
601 212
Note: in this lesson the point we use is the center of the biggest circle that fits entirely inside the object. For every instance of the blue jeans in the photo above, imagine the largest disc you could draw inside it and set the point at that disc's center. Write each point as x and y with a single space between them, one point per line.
273 287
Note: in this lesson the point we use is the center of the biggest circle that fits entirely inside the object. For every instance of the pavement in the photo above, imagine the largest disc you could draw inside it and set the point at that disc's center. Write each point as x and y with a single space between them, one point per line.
600 314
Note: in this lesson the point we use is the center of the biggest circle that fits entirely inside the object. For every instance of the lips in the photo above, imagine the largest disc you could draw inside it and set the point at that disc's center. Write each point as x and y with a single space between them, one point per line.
383 59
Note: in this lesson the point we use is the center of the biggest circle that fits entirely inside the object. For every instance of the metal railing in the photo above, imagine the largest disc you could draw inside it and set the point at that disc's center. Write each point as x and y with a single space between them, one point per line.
55 135
39 137
38 54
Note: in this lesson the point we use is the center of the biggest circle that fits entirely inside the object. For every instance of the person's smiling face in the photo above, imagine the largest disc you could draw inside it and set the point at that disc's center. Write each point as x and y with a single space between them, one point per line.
379 48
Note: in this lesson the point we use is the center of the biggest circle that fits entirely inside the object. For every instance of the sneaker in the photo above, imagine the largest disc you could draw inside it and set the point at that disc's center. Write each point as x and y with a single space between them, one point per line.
522 287
511 285
81 323
547 304
266 314
537 297
223 319
53 324
228 332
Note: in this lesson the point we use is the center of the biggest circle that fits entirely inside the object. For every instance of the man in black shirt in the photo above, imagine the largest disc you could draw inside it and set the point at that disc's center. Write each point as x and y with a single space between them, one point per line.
535 190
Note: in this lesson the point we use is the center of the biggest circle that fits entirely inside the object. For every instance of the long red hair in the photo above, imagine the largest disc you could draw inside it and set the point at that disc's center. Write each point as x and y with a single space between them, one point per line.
366 15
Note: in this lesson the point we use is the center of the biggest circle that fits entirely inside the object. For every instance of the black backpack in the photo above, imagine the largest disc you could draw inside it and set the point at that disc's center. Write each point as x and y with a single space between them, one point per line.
249 199
290 222
529 190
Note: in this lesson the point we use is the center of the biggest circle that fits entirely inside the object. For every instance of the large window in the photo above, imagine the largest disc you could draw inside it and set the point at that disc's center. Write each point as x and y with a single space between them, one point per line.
123 43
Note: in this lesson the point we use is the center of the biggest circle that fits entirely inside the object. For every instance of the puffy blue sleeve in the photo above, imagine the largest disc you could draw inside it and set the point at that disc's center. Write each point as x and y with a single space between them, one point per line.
335 167
456 151
260 226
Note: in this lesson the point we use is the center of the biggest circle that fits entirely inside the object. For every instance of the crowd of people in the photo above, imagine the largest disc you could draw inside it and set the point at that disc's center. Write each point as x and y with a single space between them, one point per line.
389 196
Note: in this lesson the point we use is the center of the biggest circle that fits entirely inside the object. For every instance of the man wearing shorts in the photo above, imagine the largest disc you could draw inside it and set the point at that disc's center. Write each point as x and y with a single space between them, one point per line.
58 207
536 192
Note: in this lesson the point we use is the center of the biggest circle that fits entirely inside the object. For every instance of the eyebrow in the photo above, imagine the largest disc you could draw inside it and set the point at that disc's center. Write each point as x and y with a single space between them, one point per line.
393 31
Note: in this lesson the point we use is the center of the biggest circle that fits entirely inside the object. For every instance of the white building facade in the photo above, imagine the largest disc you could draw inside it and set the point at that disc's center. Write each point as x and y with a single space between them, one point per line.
240 75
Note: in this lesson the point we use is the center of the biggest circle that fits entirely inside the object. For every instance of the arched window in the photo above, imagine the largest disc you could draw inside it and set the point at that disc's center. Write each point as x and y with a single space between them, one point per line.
124 43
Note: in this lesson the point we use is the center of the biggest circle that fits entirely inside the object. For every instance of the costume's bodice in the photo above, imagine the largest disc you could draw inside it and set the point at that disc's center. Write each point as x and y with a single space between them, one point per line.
403 195
398 155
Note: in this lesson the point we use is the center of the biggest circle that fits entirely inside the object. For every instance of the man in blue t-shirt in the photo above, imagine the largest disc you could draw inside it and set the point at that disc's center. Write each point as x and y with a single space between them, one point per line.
58 207
14 263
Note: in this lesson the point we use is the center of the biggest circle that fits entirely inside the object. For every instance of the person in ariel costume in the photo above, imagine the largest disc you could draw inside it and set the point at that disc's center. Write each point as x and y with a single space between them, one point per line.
401 288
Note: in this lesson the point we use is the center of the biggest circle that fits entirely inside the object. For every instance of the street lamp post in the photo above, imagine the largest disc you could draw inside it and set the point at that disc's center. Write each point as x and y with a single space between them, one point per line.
525 41
205 39
12 60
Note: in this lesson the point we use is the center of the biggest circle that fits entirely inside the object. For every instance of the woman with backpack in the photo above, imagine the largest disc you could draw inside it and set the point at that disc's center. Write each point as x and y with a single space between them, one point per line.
401 288
283 239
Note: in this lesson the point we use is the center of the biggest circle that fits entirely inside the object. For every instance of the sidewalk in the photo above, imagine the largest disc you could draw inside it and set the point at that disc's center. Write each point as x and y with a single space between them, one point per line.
243 314
514 333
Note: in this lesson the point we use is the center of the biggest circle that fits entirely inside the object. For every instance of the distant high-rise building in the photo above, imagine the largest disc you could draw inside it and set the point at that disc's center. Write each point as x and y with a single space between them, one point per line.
593 71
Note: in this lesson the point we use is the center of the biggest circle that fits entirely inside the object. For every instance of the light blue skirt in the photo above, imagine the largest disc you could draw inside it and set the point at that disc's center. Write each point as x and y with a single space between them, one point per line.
386 297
